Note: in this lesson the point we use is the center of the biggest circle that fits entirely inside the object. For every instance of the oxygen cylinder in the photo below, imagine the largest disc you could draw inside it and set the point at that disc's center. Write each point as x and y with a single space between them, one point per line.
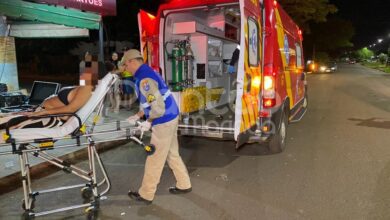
177 67
188 63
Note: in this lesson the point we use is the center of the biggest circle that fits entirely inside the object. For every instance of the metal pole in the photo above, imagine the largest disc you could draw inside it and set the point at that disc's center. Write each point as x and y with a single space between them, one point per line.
101 42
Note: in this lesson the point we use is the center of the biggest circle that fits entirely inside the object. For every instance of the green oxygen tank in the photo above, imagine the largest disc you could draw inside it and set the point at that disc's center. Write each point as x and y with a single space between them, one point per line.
177 67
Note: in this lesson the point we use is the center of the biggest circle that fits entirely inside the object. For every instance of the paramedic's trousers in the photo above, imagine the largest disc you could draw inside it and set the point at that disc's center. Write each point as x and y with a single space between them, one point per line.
164 137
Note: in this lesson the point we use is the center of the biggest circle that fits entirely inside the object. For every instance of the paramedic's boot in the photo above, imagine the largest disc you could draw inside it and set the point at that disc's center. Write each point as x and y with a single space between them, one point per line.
137 197
175 190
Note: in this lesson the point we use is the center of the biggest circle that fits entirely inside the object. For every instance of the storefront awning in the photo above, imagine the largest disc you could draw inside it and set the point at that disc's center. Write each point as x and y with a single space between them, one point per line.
49 14
44 30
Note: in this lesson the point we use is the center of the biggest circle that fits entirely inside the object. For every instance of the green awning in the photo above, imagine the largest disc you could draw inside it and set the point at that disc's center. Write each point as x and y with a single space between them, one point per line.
50 14
45 30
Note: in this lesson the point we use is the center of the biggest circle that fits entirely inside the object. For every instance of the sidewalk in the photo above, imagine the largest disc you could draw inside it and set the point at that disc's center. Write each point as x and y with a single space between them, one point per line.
10 165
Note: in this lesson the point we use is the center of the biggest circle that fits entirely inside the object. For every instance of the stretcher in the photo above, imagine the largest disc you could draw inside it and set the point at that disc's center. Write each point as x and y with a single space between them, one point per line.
77 131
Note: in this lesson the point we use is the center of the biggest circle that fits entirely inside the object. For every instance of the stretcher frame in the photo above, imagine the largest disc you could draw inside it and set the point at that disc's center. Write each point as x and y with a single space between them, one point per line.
90 191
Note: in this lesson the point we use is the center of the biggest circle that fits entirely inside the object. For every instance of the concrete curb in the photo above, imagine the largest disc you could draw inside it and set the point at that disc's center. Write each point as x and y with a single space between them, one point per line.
14 181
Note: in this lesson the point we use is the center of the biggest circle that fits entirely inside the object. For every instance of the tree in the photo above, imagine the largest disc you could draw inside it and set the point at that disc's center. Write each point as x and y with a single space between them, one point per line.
308 11
322 57
338 34
364 53
382 58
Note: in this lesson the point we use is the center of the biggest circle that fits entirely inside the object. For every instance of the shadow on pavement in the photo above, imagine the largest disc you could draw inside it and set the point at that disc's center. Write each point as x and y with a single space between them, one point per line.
372 122
203 152
44 169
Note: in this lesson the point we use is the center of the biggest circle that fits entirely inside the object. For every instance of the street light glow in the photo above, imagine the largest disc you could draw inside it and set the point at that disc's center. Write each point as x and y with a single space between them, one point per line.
380 40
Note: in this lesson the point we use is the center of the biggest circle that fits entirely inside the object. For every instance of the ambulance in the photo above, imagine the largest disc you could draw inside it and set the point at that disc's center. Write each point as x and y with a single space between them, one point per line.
235 67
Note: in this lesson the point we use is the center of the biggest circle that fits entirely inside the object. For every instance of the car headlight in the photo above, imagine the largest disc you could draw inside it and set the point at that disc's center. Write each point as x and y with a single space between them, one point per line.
322 68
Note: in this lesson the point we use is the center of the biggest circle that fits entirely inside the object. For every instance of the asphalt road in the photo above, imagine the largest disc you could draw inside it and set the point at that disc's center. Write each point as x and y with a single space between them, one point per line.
336 166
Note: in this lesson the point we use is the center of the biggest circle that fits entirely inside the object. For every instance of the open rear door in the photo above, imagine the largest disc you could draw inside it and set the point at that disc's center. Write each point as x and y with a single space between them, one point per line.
248 72
148 32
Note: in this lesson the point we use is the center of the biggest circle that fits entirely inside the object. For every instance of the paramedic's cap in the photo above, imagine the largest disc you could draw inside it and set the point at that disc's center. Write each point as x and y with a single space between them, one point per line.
131 54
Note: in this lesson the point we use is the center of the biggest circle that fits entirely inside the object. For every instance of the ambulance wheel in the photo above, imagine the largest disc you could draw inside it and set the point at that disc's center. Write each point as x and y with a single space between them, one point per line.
277 143
149 149
86 193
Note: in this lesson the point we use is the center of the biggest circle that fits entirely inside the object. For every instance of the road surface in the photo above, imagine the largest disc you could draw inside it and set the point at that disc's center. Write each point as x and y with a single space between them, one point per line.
336 166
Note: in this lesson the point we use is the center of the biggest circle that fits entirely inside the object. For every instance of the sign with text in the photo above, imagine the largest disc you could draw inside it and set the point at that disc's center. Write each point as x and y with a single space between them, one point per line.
103 7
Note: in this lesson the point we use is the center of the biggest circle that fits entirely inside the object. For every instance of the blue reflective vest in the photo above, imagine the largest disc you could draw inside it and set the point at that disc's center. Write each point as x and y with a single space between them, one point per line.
171 109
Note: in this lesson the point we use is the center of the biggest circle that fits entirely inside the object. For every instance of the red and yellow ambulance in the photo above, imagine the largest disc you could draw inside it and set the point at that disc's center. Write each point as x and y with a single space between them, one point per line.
235 67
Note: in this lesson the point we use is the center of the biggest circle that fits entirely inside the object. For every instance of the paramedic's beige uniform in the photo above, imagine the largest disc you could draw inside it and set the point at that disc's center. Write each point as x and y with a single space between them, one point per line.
164 138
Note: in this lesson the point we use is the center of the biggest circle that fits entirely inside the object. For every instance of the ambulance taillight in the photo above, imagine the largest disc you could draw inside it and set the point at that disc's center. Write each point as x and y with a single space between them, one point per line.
269 96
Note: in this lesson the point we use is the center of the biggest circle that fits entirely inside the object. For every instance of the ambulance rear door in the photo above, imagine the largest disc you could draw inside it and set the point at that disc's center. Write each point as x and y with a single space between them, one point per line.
249 78
148 32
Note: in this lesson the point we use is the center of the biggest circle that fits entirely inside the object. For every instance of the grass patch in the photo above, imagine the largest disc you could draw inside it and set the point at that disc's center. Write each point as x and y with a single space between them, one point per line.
377 66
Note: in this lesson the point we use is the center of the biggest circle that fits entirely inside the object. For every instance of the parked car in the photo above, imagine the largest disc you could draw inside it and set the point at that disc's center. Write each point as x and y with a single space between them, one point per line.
328 67
352 61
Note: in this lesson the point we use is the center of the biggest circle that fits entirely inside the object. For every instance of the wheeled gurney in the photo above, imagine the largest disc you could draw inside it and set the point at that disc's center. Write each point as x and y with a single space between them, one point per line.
77 130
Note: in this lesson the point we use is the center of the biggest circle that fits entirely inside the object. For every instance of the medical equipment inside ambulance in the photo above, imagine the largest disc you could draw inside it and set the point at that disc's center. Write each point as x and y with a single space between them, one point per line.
198 46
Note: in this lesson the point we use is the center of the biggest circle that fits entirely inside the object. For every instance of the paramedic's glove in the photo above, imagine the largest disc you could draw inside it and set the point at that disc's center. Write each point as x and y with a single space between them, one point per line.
133 119
145 126
231 69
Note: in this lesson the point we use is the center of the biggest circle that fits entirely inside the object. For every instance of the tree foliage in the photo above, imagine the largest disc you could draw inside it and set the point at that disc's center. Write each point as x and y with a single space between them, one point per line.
323 33
308 11
333 34
382 58
364 53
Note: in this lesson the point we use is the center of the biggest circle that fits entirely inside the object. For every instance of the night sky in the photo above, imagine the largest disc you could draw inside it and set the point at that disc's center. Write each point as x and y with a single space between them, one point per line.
371 19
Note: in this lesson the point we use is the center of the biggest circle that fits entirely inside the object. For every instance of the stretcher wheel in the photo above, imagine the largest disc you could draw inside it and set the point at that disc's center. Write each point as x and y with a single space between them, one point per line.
28 215
86 192
92 212
32 204
149 149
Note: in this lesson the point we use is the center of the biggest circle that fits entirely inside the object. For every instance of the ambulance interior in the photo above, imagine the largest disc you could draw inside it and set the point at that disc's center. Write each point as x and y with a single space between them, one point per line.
198 47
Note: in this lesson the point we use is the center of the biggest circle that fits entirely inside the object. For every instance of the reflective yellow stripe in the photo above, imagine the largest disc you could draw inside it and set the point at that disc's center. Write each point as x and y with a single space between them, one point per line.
245 115
279 28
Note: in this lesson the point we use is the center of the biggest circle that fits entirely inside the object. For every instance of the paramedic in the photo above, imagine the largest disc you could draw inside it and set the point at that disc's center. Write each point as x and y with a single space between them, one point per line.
161 111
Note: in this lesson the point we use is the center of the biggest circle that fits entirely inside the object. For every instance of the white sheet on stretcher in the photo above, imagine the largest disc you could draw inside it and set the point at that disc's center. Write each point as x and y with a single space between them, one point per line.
72 123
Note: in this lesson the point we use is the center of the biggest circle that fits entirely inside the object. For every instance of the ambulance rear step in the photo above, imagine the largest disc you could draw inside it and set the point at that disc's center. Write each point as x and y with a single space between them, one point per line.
206 131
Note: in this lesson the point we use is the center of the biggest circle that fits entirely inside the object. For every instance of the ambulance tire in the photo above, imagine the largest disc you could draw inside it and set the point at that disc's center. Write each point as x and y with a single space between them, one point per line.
277 143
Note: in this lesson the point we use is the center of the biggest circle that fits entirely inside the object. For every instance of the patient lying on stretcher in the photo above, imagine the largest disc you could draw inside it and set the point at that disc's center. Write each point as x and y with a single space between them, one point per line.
68 100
